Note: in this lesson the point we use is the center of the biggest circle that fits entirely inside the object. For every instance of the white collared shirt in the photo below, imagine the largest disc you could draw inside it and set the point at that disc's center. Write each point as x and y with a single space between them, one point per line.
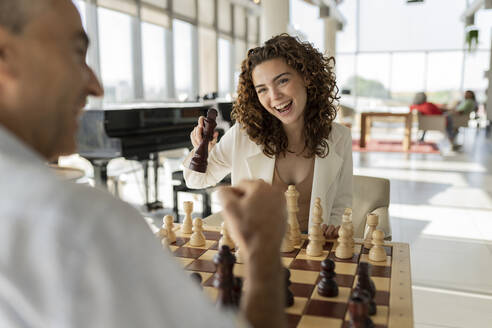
73 256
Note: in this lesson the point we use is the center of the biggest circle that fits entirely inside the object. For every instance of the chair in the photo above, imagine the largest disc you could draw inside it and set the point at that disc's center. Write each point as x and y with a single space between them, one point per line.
431 123
370 195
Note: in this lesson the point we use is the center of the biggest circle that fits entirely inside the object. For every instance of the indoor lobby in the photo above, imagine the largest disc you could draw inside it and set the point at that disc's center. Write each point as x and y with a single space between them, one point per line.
183 56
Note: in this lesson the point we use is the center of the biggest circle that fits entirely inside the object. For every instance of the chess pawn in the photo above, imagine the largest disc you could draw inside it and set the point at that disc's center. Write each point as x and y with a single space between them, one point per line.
327 286
286 246
377 252
292 197
344 250
316 241
186 227
168 224
372 222
197 278
199 161
162 235
225 239
197 238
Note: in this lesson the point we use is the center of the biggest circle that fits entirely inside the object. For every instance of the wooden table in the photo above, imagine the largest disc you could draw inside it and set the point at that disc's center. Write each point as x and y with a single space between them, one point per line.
365 126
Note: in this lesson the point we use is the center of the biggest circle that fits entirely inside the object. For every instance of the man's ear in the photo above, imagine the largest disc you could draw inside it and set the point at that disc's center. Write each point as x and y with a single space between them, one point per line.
7 54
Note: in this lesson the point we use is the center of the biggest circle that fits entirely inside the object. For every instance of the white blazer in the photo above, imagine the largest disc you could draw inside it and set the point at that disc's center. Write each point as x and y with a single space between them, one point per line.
235 153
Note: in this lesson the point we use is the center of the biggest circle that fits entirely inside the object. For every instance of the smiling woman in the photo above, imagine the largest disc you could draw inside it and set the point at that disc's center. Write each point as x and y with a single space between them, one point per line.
284 131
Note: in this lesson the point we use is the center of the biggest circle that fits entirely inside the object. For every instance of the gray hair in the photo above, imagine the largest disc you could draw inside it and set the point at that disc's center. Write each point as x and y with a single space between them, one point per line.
15 14
419 98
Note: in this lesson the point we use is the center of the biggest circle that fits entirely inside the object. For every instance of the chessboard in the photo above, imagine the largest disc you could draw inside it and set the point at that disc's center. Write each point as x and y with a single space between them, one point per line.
391 278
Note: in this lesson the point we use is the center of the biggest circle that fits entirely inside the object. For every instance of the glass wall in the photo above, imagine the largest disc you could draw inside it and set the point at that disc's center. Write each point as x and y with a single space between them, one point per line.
182 36
115 47
154 61
380 66
225 64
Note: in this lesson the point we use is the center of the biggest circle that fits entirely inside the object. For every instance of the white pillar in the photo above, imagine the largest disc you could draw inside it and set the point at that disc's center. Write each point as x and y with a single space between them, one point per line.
274 18
330 26
489 89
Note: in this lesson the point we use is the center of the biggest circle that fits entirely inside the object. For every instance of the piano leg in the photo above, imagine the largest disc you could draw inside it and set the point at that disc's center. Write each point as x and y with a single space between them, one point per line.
156 204
100 172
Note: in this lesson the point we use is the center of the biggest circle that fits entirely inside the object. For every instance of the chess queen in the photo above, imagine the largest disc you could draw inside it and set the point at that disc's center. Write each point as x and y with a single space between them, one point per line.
284 131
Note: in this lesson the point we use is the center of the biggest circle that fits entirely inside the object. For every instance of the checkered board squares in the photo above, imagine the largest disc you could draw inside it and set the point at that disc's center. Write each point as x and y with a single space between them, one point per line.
309 309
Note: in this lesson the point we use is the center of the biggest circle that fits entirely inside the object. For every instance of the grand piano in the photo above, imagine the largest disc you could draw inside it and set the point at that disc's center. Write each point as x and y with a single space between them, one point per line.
138 132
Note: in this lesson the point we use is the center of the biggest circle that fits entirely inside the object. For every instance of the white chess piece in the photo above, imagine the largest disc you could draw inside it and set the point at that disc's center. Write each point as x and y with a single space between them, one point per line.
372 222
292 197
347 220
197 238
168 224
344 249
316 241
162 235
186 227
225 239
377 252
287 246
239 256
318 217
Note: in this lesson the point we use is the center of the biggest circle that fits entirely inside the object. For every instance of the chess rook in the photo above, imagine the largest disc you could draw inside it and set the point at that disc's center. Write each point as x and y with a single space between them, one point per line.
199 162
186 227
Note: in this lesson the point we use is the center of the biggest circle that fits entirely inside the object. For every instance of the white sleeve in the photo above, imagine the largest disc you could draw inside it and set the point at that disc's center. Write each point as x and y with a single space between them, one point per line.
343 197
126 279
219 162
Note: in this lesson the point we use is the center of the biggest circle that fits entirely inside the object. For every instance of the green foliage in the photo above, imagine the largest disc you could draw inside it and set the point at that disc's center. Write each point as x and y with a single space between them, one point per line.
366 87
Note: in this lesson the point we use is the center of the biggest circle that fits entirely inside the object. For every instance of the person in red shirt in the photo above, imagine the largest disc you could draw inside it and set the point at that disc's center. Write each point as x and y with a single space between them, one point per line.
424 107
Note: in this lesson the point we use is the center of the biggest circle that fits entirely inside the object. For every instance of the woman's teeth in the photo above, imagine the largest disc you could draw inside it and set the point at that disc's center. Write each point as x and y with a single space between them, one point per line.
283 107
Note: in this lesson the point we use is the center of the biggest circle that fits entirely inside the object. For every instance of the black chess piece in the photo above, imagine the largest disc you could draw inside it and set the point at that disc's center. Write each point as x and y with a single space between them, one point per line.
197 277
327 286
289 296
199 161
365 283
237 290
224 279
358 308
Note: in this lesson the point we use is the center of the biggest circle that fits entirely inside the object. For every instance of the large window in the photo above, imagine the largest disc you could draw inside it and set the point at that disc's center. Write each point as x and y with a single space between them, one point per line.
444 76
116 55
81 7
225 65
154 61
407 75
183 61
311 29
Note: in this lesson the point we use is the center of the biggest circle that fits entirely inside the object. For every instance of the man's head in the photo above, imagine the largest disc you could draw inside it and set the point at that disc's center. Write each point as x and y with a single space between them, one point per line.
44 79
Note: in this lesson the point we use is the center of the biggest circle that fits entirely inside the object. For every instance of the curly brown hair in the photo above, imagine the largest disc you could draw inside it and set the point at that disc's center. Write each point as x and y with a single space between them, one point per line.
317 70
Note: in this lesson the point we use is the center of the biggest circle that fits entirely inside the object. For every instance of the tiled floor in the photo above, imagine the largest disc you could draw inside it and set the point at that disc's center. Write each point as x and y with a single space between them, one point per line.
441 205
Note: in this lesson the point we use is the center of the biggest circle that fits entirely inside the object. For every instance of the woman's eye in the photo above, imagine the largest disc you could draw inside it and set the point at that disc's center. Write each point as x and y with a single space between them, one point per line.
282 81
260 90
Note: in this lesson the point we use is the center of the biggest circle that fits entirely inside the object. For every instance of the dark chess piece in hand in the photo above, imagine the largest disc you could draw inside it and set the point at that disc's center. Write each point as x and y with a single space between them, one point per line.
365 283
289 296
195 276
224 279
358 308
327 286
237 290
199 161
